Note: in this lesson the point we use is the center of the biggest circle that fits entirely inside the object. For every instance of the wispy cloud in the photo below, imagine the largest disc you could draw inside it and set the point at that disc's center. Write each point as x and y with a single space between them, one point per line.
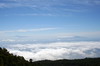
51 6
51 3
10 5
2 5
29 30
85 34
37 14
7 40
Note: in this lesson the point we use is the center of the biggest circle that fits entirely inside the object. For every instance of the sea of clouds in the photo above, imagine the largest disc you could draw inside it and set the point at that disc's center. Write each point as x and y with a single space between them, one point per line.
56 50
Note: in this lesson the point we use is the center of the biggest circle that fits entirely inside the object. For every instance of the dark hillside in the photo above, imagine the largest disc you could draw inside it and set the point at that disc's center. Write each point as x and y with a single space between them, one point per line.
7 59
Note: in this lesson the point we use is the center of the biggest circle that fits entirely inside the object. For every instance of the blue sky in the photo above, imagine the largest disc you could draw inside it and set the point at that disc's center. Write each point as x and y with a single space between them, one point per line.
50 19
47 21
66 16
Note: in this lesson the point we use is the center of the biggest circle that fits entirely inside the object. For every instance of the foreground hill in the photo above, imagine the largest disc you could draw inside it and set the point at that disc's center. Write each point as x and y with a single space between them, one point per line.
7 59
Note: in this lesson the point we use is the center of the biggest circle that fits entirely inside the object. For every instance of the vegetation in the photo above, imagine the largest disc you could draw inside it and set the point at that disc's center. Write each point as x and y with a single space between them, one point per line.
7 59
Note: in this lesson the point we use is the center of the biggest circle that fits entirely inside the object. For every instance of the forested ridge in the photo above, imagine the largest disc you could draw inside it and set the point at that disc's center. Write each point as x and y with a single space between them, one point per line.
8 59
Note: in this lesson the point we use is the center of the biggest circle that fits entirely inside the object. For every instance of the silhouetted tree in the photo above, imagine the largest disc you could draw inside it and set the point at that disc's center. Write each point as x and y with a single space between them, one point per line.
30 60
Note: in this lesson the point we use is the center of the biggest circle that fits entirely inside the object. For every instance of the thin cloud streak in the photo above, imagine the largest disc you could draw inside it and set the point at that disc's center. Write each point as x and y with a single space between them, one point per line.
29 30
36 14
52 2
49 5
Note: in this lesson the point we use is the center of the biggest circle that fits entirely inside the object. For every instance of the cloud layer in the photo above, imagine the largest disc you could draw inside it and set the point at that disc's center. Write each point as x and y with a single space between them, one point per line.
57 50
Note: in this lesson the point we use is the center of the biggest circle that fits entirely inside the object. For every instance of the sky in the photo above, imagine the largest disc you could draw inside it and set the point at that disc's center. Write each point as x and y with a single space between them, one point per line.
50 25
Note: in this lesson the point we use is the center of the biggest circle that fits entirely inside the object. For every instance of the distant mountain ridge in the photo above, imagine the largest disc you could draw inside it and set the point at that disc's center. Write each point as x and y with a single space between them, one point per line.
8 59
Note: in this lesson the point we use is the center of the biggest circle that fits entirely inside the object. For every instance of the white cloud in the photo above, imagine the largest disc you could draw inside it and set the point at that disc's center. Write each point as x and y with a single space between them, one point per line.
51 6
49 3
7 40
11 5
37 14
58 50
81 34
29 30
2 5
97 2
